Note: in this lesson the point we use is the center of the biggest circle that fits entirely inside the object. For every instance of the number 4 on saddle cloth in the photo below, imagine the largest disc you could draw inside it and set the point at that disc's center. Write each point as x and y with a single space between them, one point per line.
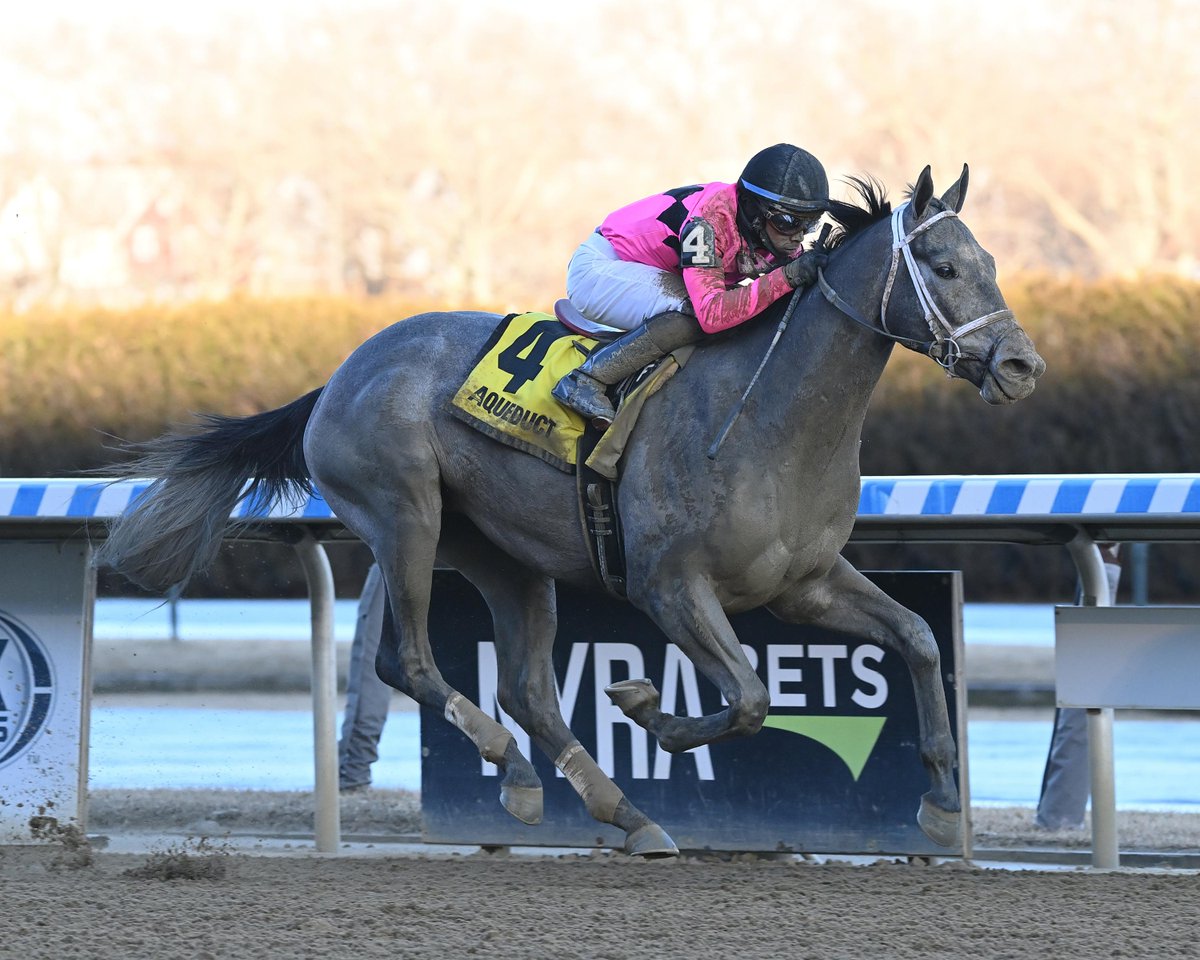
507 396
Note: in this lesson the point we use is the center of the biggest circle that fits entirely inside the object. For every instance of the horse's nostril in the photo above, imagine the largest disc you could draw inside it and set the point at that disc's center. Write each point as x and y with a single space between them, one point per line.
1018 368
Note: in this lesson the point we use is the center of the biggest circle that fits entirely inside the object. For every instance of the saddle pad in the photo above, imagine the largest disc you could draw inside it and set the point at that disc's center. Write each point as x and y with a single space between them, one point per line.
507 393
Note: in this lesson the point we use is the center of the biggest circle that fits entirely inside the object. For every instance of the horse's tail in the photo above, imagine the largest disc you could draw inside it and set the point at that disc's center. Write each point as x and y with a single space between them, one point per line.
175 528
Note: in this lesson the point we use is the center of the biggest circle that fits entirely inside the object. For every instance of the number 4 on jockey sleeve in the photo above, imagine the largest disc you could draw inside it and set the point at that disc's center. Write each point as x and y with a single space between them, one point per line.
697 247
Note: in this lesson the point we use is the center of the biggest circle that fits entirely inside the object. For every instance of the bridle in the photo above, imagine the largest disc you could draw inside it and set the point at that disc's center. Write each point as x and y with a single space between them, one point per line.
944 349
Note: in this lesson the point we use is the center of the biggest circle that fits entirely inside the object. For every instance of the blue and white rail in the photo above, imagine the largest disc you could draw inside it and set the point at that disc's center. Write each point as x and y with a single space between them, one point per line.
1030 508
1047 508
58 500
1054 496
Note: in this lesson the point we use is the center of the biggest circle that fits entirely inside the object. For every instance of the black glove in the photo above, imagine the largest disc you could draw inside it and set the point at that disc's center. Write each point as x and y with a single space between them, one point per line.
802 271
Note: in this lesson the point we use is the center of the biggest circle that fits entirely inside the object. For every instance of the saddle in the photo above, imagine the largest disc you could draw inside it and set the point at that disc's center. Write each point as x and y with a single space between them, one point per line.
573 320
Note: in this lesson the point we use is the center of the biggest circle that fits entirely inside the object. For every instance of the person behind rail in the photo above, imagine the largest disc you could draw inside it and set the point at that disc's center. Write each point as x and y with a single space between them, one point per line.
1066 780
367 697
692 261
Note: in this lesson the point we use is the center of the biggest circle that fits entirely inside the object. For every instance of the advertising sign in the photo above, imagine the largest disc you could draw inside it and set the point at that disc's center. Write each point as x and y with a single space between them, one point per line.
46 592
836 768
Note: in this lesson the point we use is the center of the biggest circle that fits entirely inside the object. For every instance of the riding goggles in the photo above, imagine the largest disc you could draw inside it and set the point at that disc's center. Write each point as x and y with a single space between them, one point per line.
789 222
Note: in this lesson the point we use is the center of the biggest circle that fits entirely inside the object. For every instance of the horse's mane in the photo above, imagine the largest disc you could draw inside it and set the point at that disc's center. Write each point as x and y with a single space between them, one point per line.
851 218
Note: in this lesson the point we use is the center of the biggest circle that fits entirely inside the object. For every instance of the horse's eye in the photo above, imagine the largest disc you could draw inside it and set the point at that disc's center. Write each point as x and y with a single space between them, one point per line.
945 271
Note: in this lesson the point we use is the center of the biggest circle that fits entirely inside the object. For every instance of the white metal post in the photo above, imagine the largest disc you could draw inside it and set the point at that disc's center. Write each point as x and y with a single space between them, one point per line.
327 828
1105 850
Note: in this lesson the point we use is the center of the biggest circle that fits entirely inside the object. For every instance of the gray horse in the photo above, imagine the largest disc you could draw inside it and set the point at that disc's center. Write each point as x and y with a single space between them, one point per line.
760 524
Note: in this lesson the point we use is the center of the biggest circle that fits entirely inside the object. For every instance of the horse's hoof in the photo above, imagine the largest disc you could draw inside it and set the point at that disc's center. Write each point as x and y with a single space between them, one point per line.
941 826
651 843
524 803
633 697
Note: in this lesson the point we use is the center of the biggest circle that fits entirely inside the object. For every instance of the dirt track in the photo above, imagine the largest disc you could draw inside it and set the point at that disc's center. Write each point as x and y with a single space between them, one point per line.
187 898
214 905
195 898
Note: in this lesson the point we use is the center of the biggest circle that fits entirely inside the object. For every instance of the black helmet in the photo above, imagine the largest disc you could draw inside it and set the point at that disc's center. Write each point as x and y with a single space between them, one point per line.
788 176
782 179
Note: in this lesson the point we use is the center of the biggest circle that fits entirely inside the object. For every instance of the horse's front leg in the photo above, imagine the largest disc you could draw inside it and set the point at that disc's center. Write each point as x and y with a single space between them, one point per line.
690 615
846 601
524 612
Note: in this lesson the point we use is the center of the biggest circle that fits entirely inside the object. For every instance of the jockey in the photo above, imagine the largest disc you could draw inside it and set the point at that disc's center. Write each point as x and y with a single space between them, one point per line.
670 268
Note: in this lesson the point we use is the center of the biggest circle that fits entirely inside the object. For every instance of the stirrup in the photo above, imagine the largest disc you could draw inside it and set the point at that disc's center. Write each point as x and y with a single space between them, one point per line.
587 396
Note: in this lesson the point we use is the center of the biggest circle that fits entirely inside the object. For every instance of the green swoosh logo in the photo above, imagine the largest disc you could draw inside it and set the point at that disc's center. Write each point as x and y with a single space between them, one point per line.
851 738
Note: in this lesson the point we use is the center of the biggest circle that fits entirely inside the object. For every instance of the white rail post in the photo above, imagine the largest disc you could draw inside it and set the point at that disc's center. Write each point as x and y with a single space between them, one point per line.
327 829
1105 851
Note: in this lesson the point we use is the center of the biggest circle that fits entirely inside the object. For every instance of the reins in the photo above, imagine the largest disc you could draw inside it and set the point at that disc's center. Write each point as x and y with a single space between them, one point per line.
787 316
737 407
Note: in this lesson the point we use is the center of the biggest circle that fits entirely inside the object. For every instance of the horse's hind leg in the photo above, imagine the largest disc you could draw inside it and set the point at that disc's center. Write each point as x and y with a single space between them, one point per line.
847 601
520 788
523 611
405 545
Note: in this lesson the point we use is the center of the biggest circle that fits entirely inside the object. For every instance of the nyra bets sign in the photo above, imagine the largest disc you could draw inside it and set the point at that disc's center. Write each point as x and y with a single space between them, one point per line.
836 767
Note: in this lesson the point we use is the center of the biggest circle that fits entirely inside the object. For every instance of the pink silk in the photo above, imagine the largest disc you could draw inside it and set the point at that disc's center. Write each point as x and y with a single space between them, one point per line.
638 235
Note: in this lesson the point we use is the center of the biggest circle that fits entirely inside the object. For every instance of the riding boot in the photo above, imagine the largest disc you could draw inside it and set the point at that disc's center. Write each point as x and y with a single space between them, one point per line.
584 389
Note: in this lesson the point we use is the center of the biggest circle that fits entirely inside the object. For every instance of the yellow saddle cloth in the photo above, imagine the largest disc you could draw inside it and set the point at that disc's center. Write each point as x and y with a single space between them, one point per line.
507 393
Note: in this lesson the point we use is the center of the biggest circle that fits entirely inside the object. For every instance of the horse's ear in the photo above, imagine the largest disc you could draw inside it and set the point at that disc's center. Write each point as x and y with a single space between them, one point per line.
954 197
922 193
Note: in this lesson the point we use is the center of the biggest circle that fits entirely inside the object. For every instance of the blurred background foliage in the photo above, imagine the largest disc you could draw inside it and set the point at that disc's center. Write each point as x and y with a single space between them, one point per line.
1120 392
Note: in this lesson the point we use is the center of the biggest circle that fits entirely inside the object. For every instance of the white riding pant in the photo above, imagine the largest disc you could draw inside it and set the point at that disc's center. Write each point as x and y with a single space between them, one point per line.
616 292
